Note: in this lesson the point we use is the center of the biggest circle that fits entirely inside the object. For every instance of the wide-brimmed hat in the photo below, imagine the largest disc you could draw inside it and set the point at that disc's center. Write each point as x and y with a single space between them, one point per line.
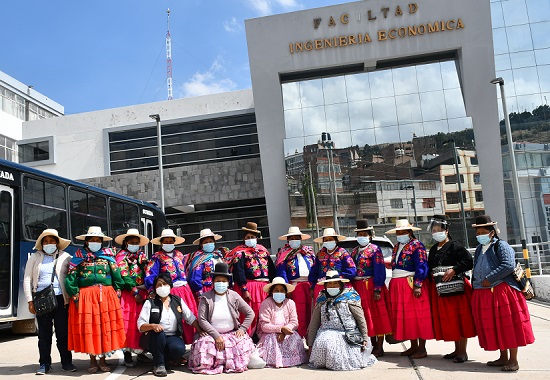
167 232
485 221
252 227
63 243
132 232
279 281
402 224
294 231
221 269
329 232
362 225
94 231
206 233
332 275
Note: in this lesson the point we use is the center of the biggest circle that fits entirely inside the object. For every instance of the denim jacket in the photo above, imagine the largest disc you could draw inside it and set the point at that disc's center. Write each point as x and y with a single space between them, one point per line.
502 262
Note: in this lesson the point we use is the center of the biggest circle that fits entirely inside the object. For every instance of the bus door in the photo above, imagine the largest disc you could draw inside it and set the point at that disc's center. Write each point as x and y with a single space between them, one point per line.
148 231
6 251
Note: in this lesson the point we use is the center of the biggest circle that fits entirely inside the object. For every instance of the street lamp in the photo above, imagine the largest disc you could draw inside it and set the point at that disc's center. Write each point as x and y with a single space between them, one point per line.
156 117
514 179
461 199
414 202
327 143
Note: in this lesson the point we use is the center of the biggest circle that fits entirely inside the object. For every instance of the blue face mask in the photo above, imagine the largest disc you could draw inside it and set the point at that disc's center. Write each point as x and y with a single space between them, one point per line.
333 292
221 287
483 239
363 240
94 247
133 248
294 244
251 243
439 236
208 247
330 245
403 239
279 297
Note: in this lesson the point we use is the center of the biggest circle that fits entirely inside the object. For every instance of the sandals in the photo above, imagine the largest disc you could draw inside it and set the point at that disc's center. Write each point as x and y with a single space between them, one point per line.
460 359
92 369
104 368
510 368
496 363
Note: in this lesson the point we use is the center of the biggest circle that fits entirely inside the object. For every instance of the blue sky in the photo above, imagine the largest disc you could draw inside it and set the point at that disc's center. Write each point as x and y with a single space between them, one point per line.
91 55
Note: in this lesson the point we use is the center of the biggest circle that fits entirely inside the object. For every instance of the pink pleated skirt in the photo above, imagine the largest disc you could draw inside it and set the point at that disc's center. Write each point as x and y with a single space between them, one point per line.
130 314
187 296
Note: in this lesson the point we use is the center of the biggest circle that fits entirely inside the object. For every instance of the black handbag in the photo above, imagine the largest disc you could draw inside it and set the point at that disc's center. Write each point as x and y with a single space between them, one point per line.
352 337
45 300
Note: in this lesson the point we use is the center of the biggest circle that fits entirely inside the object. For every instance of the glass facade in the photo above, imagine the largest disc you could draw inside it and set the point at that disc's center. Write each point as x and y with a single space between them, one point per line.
17 106
8 148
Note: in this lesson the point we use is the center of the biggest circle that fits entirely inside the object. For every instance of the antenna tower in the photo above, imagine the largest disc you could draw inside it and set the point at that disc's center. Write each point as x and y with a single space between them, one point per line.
169 58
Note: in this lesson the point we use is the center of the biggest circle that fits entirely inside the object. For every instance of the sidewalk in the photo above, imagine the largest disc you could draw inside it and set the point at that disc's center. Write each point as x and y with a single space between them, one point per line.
19 355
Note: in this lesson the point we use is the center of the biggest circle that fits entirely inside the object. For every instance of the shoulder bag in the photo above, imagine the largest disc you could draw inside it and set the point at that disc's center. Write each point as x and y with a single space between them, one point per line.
45 300
454 287
521 278
352 337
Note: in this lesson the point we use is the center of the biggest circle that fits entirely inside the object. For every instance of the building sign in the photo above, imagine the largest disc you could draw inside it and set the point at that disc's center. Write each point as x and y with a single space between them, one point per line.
428 27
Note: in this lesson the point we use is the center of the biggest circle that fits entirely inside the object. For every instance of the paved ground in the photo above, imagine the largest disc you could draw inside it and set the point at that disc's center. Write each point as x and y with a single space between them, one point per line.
19 354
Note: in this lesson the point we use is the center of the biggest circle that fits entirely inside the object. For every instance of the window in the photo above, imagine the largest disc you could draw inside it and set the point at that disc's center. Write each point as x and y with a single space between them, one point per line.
123 217
367 198
396 203
473 161
452 198
479 196
43 207
428 203
451 179
426 185
477 178
86 210
36 151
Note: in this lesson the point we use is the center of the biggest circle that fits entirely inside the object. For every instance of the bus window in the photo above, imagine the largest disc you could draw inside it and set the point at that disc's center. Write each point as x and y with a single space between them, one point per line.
43 207
123 216
86 210
5 248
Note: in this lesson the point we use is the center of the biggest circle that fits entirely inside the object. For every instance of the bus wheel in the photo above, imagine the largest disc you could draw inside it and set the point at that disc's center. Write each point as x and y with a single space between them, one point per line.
25 326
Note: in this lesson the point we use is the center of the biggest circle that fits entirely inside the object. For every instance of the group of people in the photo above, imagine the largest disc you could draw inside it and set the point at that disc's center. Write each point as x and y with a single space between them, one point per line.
223 301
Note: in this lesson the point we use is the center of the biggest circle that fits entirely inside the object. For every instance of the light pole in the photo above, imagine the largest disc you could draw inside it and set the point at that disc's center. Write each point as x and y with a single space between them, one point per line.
414 202
156 117
313 203
327 143
514 176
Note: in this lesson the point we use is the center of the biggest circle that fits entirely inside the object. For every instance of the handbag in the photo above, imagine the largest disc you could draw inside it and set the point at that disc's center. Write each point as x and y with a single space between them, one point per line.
454 287
523 282
45 300
352 337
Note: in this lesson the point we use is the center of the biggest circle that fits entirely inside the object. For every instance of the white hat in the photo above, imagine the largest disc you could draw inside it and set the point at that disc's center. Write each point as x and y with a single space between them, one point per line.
63 243
132 232
206 233
94 231
332 275
167 232
402 224
329 232
279 281
295 231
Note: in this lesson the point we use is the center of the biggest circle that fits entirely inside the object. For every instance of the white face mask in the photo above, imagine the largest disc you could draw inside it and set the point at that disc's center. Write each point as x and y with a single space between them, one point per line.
49 248
221 287
94 247
163 291
279 297
333 291
403 239
133 248
168 247
330 245
251 242
439 236
295 244
363 240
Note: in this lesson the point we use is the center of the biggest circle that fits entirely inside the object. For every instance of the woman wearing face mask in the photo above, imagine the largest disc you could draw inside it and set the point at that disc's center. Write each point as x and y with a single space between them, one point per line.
163 317
252 267
407 294
330 257
370 284
452 315
170 260
280 344
294 261
38 276
96 326
338 310
132 262
500 311
227 346
201 263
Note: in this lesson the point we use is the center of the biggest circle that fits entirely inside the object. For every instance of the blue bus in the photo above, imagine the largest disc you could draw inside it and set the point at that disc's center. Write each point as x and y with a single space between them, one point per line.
31 201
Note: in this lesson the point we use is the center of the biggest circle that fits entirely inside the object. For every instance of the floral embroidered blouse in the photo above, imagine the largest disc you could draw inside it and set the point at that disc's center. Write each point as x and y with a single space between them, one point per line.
201 266
287 265
250 263
132 268
413 258
369 262
161 262
340 260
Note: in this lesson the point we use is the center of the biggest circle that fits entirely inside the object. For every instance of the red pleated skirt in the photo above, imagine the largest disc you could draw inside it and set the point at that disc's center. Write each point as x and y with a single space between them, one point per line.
130 315
187 296
452 316
257 295
501 317
410 317
302 299
96 326
376 312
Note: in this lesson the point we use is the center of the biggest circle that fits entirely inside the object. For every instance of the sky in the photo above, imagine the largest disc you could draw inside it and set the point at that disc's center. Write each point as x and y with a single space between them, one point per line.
92 55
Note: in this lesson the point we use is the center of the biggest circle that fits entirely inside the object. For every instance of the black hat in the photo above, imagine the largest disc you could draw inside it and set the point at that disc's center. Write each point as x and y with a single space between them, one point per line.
362 225
483 221
221 269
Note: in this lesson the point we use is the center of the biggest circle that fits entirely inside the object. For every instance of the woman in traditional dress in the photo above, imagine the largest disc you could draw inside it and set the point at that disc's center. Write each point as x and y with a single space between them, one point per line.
330 257
369 282
294 261
410 312
252 268
170 260
201 263
338 309
280 344
500 311
96 326
132 262
227 347
452 315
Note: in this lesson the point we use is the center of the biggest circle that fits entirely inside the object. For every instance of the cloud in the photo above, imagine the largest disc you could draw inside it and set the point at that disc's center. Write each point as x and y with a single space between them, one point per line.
232 26
209 82
267 7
